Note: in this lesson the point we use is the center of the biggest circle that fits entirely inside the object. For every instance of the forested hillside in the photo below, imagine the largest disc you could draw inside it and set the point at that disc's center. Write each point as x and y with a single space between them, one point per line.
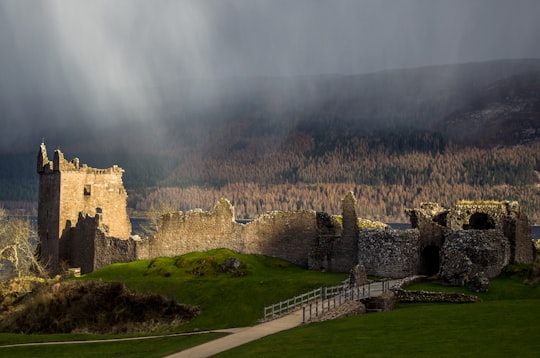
385 182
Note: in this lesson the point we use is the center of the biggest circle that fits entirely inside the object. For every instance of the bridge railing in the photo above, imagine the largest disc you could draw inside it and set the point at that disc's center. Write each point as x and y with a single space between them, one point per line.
339 293
278 309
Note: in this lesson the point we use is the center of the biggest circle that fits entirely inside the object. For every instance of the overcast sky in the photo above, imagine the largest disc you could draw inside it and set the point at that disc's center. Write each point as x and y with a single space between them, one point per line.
95 54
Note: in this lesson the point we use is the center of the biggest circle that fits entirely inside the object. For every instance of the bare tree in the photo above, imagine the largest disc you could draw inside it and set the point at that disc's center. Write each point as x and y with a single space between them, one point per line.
19 246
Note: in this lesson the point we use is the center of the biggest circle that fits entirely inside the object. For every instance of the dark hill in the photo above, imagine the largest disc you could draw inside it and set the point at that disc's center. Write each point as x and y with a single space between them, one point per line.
505 112
437 99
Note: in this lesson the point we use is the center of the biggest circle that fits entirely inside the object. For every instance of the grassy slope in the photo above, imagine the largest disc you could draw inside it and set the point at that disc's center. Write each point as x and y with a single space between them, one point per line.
225 299
504 324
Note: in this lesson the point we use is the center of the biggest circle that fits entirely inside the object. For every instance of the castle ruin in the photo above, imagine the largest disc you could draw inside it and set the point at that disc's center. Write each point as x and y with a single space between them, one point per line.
83 221
67 189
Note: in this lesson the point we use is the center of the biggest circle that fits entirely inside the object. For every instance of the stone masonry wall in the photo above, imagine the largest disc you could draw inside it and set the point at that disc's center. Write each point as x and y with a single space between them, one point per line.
196 230
517 226
90 246
287 235
109 250
505 216
78 246
321 256
468 252
86 190
389 253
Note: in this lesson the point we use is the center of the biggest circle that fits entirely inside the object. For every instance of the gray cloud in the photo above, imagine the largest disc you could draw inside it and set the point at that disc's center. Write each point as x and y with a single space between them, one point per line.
66 61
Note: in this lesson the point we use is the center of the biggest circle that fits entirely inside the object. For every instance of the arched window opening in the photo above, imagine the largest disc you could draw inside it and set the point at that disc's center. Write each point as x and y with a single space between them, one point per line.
480 221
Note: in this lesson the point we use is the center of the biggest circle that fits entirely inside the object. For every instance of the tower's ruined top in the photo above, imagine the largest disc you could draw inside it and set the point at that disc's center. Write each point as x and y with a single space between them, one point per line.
59 163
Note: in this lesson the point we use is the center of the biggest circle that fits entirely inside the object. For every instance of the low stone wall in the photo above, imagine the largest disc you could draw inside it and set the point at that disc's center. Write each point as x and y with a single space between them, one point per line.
427 296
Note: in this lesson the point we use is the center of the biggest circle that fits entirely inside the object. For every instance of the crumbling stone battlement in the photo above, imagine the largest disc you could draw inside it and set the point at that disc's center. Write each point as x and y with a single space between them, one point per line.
59 163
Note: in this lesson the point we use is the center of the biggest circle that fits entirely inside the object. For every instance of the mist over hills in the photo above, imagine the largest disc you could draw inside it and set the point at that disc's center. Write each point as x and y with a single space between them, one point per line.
215 133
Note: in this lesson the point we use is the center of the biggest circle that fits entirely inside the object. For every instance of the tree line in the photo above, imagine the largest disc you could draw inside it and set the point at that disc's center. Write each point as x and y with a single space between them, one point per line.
384 181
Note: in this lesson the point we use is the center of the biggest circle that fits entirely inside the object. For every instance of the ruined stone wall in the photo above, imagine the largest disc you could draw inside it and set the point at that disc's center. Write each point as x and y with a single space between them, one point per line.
196 230
389 253
504 216
321 253
431 221
462 216
517 227
466 253
78 245
286 235
110 250
89 245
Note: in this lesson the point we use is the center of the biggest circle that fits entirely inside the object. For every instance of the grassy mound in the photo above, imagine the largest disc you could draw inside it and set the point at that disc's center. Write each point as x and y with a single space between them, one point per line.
95 307
231 289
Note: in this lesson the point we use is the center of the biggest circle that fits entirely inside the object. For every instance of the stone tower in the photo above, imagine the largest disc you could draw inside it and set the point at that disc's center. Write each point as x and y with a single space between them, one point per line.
66 189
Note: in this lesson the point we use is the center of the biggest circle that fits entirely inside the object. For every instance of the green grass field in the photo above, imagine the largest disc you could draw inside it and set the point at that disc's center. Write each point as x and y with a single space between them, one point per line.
487 329
504 323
